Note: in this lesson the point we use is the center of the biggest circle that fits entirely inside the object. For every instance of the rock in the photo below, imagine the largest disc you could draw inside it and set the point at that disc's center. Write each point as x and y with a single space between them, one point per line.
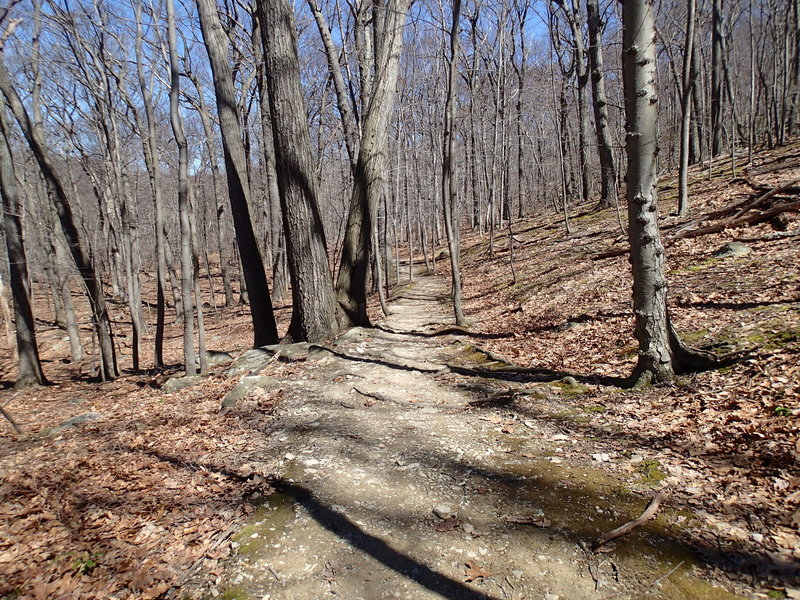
317 351
178 383
216 358
254 360
569 381
251 361
356 334
84 418
551 597
443 511
246 385
733 250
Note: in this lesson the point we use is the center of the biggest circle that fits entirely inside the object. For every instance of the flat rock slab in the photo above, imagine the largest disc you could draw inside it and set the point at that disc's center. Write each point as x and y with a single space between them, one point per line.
246 385
254 360
78 420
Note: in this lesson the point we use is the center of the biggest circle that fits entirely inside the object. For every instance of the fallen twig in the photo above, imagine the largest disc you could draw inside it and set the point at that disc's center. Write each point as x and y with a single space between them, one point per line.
10 420
671 571
648 514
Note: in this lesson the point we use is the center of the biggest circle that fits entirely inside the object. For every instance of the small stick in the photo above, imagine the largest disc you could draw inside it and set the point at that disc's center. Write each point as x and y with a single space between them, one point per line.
663 577
10 420
648 514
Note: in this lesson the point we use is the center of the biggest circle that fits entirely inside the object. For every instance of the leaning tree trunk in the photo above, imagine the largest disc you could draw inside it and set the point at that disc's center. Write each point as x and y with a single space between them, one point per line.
30 367
82 259
187 262
265 330
449 195
605 145
315 315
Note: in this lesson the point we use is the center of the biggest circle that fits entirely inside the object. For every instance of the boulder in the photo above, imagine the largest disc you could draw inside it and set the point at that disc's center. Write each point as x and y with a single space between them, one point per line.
246 385
733 250
181 382
217 358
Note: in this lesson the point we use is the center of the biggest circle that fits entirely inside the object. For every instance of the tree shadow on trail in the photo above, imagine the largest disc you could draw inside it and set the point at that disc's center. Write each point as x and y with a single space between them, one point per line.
509 373
375 547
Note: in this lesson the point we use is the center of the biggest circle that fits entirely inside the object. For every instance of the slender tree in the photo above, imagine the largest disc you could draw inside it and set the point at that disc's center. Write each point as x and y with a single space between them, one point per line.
35 139
661 352
29 366
216 41
449 194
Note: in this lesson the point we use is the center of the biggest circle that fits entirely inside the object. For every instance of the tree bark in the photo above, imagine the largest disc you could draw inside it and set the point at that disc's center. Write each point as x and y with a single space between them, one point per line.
29 366
216 41
686 110
647 253
187 263
314 309
605 145
76 244
370 171
449 195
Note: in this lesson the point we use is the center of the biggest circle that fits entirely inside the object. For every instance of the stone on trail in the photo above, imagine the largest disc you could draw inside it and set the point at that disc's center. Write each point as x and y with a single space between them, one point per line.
246 385
733 250
443 511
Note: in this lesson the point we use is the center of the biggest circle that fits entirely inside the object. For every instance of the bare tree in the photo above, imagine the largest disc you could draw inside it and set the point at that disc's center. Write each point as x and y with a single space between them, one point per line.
187 266
265 330
29 365
315 313
35 139
449 193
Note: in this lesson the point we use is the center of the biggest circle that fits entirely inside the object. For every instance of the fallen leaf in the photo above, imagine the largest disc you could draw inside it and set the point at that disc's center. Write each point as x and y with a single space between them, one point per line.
525 520
448 524
475 572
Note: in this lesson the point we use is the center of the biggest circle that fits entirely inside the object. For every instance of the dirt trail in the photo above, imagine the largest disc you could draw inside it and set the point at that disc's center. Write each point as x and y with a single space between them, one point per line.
376 437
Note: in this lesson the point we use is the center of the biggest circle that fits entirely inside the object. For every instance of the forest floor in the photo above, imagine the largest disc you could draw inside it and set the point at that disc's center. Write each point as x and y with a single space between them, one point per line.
324 480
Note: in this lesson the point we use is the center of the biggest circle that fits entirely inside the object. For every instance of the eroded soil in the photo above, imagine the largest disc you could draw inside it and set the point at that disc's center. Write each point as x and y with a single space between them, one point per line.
405 473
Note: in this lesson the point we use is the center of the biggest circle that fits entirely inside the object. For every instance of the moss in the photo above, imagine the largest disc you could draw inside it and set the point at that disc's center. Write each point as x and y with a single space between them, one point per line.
709 262
234 593
596 409
570 390
650 472
692 337
776 594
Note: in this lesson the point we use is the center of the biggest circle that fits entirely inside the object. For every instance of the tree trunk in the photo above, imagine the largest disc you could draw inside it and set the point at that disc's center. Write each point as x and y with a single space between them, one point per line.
76 244
449 195
216 41
29 365
686 111
187 263
314 308
661 352
608 174
369 175
716 77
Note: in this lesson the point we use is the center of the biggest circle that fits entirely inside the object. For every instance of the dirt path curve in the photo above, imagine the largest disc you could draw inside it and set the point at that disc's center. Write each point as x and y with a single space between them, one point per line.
395 490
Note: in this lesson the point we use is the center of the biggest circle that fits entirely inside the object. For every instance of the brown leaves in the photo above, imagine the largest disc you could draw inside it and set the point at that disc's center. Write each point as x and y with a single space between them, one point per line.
474 572
448 525
526 520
